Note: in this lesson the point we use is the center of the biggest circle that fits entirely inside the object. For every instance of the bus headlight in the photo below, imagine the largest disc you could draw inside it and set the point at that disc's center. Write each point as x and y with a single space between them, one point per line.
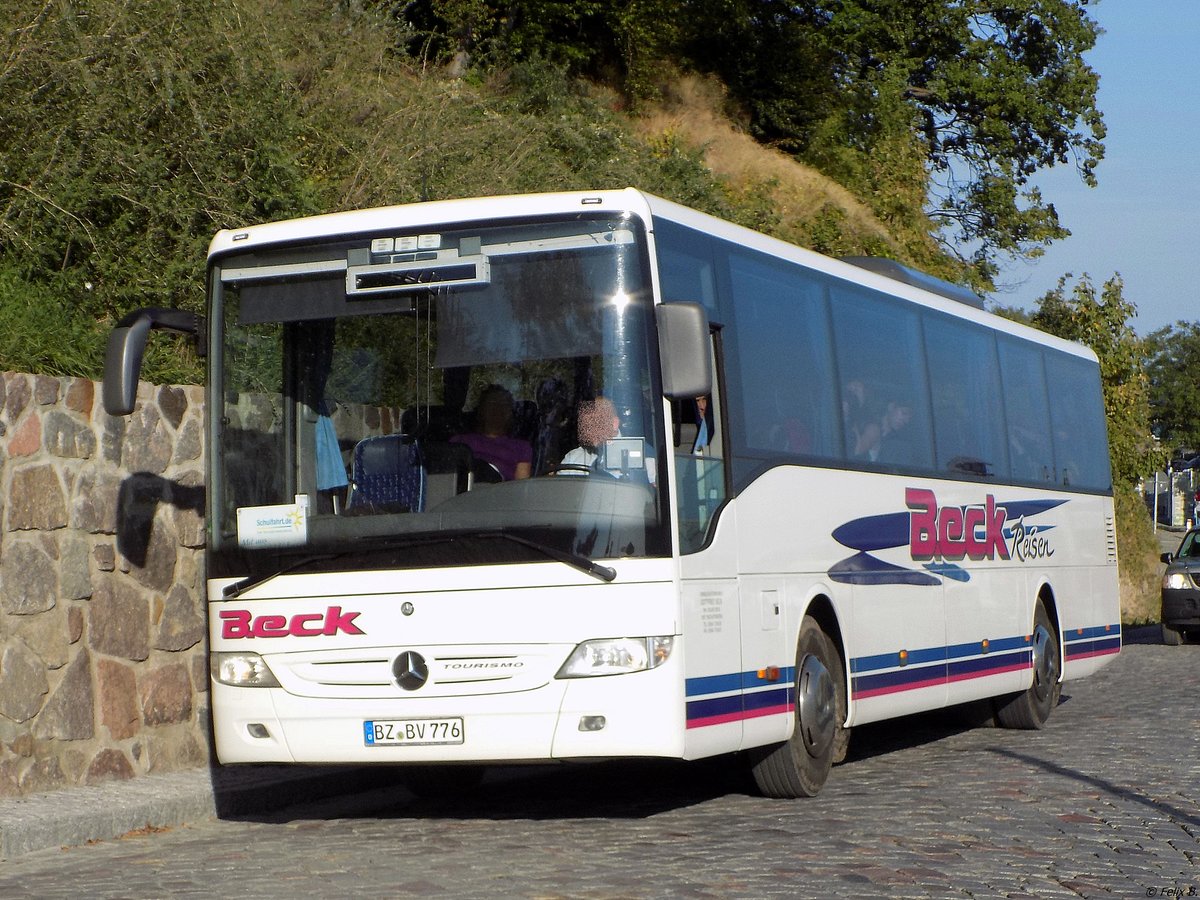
242 670
1175 581
616 656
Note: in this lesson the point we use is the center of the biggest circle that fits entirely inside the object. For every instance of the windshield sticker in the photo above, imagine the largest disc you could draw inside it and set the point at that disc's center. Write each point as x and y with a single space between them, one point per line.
939 538
285 525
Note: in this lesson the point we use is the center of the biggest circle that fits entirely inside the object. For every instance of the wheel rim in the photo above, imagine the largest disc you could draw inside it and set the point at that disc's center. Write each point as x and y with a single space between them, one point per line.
1045 662
815 702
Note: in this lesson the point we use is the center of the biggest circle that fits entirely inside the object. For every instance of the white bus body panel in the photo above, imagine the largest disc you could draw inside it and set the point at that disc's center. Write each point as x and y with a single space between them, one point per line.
494 638
917 634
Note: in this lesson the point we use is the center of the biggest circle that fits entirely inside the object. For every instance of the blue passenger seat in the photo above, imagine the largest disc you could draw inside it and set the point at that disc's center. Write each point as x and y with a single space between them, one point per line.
387 473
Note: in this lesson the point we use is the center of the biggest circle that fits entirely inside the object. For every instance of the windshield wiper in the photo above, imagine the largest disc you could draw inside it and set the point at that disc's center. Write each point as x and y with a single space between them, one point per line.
232 591
575 560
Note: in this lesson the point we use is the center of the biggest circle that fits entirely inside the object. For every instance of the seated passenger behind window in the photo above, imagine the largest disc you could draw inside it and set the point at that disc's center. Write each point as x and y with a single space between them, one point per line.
491 442
705 427
894 445
862 418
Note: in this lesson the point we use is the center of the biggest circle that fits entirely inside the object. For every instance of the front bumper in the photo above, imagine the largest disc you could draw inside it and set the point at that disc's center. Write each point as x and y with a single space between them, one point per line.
1181 607
643 714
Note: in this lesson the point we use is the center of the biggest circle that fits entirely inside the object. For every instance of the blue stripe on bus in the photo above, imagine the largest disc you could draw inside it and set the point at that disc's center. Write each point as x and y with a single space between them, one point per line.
1085 643
978 665
715 711
891 660
714 684
907 679
1100 631
746 695
938 654
992 664
736 707
1086 649
735 681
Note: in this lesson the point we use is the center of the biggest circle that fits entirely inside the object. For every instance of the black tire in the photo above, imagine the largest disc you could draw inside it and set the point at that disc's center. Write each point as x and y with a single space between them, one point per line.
1031 708
1171 636
800 765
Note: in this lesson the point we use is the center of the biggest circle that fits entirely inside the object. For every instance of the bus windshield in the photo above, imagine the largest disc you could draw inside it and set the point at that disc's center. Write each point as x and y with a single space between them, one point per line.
425 389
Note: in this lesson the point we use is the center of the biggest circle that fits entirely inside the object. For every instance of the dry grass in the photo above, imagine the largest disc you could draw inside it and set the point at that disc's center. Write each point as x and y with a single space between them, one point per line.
1140 569
692 112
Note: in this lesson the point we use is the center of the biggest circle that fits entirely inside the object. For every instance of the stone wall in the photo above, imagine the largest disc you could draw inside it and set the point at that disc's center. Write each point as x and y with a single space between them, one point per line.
103 668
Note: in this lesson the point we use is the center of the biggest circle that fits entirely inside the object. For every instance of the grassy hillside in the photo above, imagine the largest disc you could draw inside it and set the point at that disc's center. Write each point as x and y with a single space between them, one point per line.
130 134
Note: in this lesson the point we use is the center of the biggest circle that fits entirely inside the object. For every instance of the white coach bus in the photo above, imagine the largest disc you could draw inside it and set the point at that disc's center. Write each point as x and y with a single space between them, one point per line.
593 475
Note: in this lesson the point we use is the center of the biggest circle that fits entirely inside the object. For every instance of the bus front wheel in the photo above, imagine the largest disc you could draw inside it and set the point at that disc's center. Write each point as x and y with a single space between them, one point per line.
799 766
1031 708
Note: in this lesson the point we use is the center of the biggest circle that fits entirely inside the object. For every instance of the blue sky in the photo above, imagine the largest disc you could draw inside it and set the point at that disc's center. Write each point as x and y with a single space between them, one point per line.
1143 220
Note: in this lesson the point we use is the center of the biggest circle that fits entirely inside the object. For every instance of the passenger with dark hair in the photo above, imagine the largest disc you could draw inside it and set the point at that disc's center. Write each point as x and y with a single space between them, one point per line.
706 427
862 419
894 444
491 440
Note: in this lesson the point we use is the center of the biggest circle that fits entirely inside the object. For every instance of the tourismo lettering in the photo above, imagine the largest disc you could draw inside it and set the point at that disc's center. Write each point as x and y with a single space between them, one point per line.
238 623
954 532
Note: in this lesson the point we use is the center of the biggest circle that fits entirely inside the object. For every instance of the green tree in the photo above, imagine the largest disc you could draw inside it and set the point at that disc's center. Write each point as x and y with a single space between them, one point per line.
1102 322
618 43
1173 367
994 92
937 108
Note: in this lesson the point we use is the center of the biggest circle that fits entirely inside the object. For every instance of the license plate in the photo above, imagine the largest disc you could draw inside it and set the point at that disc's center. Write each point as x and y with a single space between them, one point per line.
412 732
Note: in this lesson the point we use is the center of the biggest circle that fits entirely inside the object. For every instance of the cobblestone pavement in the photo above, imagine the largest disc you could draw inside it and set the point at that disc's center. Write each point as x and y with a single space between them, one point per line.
1104 802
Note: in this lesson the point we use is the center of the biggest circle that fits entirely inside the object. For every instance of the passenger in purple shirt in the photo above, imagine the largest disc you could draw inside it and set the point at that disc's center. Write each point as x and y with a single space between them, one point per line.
511 457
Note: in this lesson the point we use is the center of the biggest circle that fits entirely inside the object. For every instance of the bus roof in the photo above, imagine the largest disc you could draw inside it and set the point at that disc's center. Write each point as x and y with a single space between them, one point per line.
441 213
429 213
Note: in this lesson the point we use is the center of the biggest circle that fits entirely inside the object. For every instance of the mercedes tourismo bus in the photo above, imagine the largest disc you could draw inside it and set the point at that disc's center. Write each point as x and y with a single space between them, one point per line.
593 475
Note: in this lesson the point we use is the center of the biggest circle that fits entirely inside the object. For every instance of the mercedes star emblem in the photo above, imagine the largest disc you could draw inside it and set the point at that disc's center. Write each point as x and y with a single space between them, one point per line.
411 670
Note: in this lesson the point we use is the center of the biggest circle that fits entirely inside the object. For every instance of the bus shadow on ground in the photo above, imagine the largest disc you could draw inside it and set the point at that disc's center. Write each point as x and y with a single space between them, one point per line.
626 789
623 789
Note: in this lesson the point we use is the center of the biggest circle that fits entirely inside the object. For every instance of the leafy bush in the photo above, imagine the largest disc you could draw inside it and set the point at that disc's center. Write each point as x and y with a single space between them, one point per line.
130 132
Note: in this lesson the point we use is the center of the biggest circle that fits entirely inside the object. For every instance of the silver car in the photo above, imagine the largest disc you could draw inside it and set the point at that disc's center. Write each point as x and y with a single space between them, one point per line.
1181 591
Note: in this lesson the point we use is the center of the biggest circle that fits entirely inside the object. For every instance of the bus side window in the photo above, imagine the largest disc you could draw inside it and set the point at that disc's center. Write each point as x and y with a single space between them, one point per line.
885 400
1076 412
964 374
1027 411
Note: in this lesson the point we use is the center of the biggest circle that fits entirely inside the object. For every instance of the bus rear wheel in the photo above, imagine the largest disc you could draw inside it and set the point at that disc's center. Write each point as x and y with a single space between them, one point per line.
800 765
1031 708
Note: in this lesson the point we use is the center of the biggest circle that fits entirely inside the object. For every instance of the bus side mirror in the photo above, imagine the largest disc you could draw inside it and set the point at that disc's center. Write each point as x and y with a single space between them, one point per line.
127 346
685 350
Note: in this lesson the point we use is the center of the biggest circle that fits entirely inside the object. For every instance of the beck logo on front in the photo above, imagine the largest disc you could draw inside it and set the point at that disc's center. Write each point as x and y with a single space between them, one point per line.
238 623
